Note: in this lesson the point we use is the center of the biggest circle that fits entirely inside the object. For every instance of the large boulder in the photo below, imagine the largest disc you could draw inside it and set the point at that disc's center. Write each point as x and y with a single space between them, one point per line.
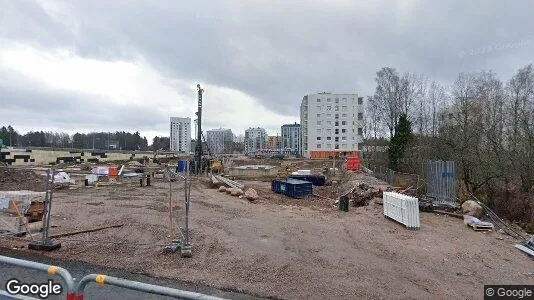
236 192
222 189
471 208
251 194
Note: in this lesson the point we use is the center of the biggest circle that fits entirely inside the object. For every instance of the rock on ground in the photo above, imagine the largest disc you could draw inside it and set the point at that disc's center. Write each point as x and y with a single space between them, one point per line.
251 194
472 208
236 192
222 189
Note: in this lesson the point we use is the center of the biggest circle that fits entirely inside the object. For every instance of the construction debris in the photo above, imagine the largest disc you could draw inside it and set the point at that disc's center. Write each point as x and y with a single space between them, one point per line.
477 224
85 231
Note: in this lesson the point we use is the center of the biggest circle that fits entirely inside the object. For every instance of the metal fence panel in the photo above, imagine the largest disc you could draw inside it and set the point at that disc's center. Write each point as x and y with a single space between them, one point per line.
441 178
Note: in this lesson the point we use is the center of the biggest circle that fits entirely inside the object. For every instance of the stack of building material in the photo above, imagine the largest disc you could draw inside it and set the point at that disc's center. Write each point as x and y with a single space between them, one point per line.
20 210
402 208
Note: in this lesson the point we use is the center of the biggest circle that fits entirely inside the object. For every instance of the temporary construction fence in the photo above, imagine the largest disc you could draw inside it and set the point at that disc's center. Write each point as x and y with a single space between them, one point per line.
144 212
75 290
402 208
441 182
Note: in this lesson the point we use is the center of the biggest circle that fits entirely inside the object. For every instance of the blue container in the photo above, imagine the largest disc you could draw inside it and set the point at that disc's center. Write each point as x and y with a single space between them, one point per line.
182 166
317 180
292 187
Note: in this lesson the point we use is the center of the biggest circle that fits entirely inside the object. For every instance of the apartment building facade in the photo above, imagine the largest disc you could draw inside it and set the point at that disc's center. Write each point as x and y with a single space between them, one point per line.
331 122
218 140
255 139
291 138
180 135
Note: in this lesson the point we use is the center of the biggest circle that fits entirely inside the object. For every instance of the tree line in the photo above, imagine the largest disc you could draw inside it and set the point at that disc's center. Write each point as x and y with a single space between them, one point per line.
119 140
483 124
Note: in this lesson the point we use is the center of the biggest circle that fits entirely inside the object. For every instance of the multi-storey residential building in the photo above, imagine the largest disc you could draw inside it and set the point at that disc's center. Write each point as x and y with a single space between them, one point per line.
331 122
291 138
255 139
274 142
239 138
219 139
180 139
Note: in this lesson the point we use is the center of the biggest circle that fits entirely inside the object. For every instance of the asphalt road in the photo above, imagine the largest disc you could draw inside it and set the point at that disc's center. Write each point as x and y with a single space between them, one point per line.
92 291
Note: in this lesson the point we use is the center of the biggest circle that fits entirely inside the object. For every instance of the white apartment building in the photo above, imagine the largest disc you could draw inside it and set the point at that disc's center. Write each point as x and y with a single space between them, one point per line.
290 138
180 137
255 139
218 138
331 122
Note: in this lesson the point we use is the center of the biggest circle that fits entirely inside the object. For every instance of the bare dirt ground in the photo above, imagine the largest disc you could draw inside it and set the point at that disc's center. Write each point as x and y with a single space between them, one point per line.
285 248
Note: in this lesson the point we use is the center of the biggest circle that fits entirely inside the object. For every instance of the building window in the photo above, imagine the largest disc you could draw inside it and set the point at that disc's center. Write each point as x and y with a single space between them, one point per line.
329 115
343 122
329 146
344 108
329 122
343 138
344 115
337 123
360 131
318 107
337 146
344 100
344 145
329 107
318 146
337 116
343 130
328 138
318 100
328 100
319 130
329 130
337 108
353 123
337 100
336 139
318 115
318 138
360 146
360 100
360 116
318 122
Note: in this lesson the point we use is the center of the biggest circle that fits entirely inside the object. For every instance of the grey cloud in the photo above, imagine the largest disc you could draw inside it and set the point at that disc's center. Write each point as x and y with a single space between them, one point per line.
35 105
280 50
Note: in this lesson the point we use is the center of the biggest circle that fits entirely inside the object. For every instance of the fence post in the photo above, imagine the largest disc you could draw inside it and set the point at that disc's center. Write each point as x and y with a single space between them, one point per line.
50 269
46 243
137 286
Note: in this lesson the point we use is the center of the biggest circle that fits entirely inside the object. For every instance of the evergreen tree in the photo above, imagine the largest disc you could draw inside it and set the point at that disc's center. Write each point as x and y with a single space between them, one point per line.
399 142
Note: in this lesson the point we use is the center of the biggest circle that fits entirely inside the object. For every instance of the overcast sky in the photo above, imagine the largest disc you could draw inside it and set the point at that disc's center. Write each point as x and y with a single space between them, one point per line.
130 65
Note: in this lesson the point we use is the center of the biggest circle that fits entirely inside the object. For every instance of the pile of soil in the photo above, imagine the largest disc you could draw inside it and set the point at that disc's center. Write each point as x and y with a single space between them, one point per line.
21 179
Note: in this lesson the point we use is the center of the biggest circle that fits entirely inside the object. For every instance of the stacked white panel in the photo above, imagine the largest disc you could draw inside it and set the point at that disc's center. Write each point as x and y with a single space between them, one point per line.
402 208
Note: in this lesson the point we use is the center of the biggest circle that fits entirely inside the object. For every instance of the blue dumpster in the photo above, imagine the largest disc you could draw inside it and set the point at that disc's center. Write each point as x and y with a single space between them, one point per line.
292 187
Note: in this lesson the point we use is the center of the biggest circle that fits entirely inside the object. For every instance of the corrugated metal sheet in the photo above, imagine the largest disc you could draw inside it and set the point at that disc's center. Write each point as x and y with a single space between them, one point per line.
402 208
441 178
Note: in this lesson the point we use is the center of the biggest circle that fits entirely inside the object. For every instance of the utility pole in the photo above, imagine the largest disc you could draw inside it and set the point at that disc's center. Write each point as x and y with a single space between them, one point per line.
198 150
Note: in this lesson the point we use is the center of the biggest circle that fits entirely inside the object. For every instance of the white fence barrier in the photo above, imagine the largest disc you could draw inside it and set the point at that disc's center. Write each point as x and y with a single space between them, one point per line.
402 208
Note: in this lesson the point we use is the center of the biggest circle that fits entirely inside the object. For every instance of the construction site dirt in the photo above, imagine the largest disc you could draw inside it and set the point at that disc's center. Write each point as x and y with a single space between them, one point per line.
280 247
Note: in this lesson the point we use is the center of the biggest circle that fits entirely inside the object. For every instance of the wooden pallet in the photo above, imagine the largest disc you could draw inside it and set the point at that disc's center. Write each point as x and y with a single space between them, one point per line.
481 227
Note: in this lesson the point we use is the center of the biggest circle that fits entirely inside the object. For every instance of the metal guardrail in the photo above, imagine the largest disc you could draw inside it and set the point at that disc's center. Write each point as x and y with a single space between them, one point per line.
50 269
76 291
138 286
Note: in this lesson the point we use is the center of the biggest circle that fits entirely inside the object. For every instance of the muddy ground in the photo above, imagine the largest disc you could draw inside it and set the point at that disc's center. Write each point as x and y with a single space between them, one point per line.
281 247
